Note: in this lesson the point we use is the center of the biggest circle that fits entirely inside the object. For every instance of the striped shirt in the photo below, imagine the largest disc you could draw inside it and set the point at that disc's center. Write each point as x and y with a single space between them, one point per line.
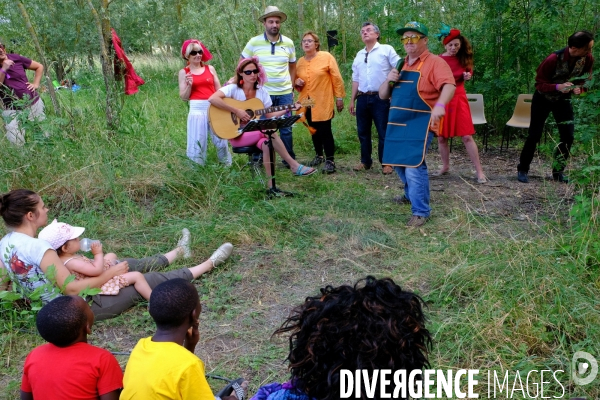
275 58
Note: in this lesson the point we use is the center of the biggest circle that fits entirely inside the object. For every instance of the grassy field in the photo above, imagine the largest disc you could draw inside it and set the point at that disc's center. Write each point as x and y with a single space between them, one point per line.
493 264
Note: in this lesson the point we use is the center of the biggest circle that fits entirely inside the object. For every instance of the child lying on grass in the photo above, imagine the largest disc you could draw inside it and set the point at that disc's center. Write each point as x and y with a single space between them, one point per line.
64 238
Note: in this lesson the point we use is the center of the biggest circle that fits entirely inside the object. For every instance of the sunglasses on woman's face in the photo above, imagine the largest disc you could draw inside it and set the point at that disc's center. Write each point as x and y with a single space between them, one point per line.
194 52
250 71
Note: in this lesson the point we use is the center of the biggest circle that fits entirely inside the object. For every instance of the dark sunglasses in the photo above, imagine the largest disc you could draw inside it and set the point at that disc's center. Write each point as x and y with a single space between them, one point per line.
194 52
366 56
251 71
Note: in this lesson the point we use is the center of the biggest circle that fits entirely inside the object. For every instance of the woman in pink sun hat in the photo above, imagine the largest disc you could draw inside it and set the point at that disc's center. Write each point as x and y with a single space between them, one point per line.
197 82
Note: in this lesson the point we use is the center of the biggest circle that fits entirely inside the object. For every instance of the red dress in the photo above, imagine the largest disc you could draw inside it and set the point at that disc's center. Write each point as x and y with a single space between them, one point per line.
457 121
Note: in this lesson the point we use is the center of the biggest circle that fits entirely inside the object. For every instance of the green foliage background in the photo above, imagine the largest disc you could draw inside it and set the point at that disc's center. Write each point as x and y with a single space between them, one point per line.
518 300
510 37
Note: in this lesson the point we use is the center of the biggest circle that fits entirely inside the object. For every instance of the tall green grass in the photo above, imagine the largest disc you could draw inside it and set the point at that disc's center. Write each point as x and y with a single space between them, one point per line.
502 293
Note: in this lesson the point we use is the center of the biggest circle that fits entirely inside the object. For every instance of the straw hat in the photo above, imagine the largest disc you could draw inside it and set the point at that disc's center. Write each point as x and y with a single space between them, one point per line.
272 11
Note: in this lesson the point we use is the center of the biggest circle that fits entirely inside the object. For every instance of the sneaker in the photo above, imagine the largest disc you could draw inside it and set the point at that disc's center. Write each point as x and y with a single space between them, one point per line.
559 177
318 160
361 167
329 167
387 169
402 200
522 177
184 243
415 221
221 254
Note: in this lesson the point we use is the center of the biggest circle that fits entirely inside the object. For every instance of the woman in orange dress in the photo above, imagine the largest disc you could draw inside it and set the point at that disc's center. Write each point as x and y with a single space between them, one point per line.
458 122
318 78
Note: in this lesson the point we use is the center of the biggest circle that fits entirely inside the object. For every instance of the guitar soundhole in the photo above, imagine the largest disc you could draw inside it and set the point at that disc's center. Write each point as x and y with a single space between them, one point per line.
250 113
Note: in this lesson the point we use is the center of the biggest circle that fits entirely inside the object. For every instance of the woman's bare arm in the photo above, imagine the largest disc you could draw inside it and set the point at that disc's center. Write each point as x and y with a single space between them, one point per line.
185 87
75 287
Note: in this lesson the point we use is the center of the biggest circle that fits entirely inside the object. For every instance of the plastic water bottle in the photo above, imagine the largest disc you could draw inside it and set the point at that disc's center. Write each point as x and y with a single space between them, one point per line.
86 244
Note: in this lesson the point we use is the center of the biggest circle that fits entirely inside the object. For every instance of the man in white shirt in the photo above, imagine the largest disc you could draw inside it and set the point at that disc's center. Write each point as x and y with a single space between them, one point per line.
369 70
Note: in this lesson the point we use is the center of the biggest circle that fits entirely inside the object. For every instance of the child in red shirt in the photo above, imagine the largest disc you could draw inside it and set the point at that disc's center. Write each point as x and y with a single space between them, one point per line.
68 367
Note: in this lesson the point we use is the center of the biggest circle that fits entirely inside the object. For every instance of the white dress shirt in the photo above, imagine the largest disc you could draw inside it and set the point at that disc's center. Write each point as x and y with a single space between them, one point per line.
371 74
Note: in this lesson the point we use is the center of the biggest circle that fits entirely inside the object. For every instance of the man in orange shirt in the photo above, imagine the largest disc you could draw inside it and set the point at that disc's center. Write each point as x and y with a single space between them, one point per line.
419 94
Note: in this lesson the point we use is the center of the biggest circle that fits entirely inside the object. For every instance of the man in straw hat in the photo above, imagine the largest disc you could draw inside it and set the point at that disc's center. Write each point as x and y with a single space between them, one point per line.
419 94
277 55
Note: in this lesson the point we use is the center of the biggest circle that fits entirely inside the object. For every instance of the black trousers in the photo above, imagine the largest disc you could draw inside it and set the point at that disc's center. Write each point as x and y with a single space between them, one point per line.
562 110
323 137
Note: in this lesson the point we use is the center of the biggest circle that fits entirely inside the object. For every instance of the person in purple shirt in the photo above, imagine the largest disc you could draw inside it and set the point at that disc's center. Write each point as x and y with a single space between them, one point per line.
15 86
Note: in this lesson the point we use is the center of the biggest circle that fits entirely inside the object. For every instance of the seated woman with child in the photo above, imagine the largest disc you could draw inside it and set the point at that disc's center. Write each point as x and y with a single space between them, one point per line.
34 266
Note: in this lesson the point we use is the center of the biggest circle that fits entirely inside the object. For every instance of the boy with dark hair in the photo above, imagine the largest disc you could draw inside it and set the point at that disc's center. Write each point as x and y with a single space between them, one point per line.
165 365
82 371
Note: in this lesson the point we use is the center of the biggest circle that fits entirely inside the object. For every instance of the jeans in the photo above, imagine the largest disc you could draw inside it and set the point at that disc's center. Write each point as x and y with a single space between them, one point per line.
562 110
370 108
416 185
285 133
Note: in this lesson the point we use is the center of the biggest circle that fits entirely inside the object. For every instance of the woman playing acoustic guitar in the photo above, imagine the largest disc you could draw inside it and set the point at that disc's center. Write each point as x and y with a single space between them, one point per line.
250 76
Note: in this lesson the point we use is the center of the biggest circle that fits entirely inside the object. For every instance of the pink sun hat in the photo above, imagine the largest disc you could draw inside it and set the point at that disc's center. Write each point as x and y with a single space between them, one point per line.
58 233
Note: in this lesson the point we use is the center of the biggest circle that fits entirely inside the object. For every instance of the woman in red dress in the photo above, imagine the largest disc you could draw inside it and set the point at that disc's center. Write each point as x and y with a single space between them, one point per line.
458 122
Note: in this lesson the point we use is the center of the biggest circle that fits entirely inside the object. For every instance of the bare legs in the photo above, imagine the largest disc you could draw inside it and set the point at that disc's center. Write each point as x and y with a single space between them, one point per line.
174 254
201 268
444 154
472 150
140 283
281 150
471 147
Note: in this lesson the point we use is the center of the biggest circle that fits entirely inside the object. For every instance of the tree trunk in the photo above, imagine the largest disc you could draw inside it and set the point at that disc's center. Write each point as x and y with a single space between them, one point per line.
342 29
300 18
104 36
36 42
232 29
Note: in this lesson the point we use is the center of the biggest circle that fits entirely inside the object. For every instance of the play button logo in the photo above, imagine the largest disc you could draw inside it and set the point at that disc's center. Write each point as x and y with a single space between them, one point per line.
583 372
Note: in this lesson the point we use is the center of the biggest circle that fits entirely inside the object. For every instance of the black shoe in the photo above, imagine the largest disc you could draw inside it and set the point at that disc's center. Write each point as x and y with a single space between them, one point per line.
522 177
559 177
329 167
277 193
402 200
257 158
318 160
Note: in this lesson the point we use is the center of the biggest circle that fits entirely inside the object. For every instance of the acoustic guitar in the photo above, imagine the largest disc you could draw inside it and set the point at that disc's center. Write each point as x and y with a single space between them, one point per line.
227 125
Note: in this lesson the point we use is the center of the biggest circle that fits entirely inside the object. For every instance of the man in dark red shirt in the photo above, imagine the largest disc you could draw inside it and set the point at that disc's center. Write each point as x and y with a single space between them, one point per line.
14 86
554 84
